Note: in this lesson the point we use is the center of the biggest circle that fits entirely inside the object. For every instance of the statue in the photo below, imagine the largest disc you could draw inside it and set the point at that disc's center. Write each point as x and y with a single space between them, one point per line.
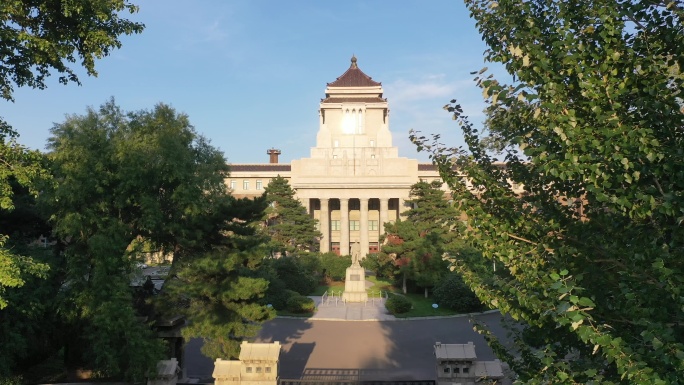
356 253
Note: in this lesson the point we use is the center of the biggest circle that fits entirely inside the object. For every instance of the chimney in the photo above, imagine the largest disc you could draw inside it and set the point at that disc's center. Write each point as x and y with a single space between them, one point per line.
273 155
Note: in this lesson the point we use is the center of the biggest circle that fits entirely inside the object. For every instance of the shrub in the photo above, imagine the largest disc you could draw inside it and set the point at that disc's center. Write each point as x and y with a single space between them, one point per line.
335 266
380 264
300 304
398 304
451 292
292 272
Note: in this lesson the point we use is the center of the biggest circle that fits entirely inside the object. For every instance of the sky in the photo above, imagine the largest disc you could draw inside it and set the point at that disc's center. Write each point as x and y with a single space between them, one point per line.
250 74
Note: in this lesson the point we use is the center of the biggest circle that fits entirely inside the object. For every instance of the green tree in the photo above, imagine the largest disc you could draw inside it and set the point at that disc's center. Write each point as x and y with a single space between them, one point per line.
585 219
43 36
124 177
30 325
19 166
37 37
287 222
220 288
430 228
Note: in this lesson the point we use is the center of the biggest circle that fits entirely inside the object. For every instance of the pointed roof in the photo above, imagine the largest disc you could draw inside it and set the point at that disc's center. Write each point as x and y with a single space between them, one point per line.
354 77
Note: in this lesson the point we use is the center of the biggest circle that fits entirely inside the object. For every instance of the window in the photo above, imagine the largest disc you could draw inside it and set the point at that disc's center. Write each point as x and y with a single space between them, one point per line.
268 369
258 369
335 225
466 370
372 156
372 143
249 369
259 185
233 184
334 156
354 225
373 225
447 370
336 143
245 185
456 370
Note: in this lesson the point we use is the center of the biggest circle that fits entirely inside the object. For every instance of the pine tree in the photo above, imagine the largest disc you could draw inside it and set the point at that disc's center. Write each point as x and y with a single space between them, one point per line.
286 221
430 228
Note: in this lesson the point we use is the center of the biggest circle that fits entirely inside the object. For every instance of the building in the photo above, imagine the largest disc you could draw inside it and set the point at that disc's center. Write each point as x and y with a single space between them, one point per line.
457 364
354 180
257 365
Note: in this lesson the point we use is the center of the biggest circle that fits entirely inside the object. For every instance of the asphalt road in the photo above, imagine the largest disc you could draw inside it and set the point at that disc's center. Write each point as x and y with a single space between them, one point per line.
367 350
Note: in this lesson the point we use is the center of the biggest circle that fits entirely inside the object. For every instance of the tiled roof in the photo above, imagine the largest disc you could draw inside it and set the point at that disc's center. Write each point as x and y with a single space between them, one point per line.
259 167
354 77
354 100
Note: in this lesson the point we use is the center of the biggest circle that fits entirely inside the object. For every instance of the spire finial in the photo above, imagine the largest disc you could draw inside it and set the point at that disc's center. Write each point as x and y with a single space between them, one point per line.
353 61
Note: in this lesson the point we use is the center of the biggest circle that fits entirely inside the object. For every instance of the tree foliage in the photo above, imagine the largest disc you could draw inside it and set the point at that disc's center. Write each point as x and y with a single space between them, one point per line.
37 37
217 285
591 236
287 222
123 177
19 168
418 242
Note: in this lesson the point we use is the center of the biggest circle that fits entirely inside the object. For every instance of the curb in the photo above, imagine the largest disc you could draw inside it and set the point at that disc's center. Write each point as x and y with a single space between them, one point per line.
394 318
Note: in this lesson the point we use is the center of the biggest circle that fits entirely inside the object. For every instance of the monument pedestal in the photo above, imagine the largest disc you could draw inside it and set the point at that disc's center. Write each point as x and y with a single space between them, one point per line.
355 284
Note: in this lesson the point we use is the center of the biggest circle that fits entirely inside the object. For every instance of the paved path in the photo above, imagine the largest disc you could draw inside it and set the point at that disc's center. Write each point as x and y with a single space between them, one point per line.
335 310
382 347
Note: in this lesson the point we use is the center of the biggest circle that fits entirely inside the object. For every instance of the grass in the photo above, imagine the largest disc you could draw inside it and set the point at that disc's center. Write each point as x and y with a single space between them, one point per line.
381 284
422 307
334 285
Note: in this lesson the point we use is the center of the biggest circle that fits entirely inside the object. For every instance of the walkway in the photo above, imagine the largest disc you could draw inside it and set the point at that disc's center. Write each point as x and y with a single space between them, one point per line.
370 311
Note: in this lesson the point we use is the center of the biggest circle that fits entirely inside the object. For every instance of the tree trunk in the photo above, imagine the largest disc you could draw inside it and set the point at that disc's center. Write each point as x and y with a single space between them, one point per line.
426 292
403 283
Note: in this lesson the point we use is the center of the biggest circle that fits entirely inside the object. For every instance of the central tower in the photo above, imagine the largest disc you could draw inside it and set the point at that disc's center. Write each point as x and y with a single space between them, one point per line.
352 115
354 181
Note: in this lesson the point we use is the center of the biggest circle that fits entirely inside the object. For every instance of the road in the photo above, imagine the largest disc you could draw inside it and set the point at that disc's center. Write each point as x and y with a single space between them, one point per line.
387 350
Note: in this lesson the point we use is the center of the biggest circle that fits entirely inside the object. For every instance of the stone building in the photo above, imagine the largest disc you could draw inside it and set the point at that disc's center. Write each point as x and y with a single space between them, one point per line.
257 365
354 180
457 364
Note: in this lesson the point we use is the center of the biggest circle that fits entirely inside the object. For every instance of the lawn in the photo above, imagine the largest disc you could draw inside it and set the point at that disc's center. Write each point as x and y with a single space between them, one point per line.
422 307
334 285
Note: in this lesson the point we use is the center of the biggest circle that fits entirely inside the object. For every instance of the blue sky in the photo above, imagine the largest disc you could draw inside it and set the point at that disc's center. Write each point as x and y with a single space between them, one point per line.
250 74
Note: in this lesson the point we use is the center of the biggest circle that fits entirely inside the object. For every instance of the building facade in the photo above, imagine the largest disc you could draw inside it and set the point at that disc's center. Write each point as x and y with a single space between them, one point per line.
354 180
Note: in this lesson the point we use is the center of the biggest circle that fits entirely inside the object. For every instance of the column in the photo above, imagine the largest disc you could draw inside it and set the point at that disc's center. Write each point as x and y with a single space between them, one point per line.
364 227
344 224
383 214
402 207
325 226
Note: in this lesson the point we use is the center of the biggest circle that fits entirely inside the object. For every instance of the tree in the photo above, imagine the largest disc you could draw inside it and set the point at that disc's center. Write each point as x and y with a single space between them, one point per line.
585 218
220 288
288 224
430 229
123 177
19 167
37 37
29 325
41 36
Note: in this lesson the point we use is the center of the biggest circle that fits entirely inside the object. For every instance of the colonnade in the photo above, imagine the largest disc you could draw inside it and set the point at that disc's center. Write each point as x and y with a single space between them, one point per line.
361 212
